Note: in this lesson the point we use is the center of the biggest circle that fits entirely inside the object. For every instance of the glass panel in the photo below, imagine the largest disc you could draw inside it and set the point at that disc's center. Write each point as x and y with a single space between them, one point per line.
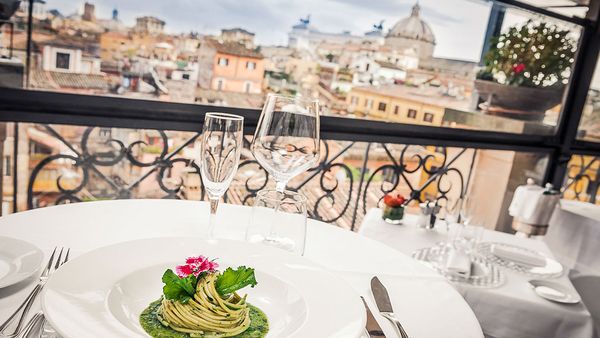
65 164
589 127
427 63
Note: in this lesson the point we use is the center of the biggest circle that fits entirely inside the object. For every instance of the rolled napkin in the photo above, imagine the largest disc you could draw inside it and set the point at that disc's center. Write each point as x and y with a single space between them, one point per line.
518 255
458 263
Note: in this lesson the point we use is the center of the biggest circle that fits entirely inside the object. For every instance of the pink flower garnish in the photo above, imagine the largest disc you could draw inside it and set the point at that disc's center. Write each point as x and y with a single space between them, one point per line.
195 266
183 270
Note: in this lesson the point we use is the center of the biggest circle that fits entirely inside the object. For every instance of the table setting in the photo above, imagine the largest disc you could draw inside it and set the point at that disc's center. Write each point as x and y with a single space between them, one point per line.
514 284
174 268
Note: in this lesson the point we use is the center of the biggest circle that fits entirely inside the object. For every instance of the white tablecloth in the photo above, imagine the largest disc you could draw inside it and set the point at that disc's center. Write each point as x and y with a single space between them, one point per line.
425 303
574 236
512 310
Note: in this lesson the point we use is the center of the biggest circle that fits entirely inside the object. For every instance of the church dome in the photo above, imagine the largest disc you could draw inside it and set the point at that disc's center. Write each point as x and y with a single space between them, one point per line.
413 28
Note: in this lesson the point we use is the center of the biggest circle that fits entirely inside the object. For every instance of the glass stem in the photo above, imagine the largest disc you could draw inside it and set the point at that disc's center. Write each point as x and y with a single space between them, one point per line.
214 204
280 186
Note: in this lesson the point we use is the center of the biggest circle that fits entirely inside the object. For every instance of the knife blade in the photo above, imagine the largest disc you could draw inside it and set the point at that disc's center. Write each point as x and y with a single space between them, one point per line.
382 298
373 328
384 304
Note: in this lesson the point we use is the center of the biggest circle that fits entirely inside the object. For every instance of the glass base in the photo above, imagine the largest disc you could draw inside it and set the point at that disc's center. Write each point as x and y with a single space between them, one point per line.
393 221
284 243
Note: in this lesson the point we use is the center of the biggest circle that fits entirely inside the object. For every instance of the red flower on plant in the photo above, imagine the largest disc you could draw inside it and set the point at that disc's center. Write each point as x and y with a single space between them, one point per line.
394 201
196 266
518 69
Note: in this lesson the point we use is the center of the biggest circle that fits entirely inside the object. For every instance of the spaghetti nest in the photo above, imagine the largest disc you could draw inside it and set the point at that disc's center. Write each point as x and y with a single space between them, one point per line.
207 314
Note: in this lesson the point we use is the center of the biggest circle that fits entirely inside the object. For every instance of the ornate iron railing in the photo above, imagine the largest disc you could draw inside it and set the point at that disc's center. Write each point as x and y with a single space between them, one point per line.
350 177
583 178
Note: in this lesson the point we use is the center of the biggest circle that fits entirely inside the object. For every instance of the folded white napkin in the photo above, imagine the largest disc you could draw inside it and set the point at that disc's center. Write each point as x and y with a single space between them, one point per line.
458 263
518 256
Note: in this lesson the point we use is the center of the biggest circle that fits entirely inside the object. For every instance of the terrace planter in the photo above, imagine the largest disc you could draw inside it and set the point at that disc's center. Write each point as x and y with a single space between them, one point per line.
518 102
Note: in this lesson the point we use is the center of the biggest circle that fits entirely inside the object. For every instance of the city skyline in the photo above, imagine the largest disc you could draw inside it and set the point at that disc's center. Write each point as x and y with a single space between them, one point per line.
271 20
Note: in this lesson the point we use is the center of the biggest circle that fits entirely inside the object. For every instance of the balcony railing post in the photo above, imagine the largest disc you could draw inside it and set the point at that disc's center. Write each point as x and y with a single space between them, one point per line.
363 171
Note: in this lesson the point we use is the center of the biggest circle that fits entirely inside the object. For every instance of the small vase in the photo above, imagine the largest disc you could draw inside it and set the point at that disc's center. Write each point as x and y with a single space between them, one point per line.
393 215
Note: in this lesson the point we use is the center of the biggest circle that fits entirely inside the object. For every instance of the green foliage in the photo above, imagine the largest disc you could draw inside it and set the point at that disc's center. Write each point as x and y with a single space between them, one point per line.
531 55
179 289
232 280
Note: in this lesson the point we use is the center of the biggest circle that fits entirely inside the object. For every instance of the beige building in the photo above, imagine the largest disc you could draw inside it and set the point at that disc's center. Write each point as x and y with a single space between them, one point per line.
403 104
149 25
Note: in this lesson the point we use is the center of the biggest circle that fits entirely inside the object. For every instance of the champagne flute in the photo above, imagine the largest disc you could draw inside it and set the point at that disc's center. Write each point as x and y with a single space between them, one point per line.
287 141
221 147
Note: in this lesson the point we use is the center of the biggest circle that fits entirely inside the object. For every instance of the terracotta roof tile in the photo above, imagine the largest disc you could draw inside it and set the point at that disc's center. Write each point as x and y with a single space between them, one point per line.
234 48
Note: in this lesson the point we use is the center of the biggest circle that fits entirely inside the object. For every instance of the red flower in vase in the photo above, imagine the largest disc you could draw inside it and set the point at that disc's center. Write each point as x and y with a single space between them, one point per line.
394 201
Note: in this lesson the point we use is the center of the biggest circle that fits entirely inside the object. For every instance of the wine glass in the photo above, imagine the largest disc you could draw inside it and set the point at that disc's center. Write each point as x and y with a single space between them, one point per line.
279 219
470 231
286 141
222 136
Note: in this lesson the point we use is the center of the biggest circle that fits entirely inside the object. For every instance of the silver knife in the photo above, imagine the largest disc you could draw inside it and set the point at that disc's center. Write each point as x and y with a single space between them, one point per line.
385 305
372 328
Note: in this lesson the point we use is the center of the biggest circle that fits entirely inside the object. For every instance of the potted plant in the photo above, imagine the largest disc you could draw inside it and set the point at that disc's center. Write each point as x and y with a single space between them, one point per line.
393 210
526 69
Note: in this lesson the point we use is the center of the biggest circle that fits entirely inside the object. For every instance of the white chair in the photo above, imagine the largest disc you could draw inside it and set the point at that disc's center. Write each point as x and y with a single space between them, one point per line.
588 288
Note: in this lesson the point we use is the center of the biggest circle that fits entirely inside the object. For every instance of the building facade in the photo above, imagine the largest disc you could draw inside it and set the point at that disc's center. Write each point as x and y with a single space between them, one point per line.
402 104
230 66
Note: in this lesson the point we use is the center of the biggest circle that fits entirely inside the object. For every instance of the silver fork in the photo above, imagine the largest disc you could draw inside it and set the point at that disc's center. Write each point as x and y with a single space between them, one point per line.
20 314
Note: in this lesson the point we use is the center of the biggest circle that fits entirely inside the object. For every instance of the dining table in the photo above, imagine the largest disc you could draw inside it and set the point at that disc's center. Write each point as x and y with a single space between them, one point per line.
426 304
510 310
574 236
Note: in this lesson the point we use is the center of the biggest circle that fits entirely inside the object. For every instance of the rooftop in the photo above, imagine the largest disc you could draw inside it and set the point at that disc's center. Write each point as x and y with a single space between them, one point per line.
425 95
234 48
236 30
57 80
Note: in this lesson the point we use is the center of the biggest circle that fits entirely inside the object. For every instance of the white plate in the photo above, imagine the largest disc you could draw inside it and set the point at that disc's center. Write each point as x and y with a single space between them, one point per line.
554 291
103 292
19 260
551 269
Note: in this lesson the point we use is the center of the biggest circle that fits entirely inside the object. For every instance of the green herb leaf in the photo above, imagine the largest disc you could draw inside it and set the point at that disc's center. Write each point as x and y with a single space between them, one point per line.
179 289
232 280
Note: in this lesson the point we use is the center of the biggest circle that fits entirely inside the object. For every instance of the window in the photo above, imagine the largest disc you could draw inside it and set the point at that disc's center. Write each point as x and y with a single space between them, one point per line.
396 110
63 60
428 117
224 62
354 100
251 65
185 76
247 86
381 106
412 114
220 84
369 103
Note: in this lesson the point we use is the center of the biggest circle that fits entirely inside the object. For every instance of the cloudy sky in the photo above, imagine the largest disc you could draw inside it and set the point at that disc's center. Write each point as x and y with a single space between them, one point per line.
459 25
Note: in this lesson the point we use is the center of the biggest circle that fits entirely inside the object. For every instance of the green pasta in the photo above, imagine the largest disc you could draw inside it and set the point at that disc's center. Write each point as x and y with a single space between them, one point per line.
207 314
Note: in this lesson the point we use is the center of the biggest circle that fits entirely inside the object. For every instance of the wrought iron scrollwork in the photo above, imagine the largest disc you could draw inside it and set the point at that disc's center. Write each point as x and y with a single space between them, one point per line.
399 170
582 180
333 189
91 163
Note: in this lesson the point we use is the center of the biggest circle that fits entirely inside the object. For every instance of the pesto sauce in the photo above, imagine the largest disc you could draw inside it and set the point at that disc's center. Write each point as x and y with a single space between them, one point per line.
259 325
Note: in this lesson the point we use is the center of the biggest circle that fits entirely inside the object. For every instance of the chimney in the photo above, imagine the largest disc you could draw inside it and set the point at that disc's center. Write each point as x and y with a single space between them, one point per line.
89 12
